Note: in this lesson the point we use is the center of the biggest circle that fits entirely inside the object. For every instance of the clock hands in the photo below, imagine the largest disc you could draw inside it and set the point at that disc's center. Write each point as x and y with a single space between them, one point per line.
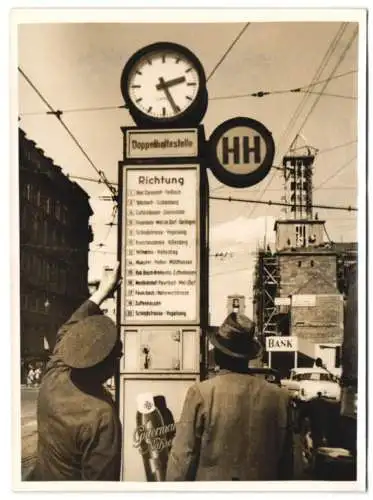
163 85
170 83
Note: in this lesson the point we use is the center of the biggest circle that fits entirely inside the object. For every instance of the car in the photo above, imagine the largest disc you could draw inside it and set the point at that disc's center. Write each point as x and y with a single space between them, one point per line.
305 384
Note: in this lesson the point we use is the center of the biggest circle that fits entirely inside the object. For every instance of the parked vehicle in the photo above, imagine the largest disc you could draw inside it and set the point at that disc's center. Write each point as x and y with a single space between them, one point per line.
307 383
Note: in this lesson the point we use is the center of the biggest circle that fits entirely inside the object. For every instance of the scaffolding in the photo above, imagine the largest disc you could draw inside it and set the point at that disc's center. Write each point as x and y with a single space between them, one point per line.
265 289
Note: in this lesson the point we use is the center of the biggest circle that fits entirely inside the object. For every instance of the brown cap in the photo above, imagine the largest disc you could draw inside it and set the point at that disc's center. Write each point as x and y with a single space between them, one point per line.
88 342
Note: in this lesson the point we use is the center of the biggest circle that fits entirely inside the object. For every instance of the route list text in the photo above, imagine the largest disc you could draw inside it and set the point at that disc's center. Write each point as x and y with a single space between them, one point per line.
161 245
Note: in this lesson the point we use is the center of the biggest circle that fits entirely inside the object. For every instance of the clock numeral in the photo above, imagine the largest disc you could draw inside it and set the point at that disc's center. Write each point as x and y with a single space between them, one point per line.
149 61
190 98
136 86
139 99
138 72
163 111
177 109
189 69
177 60
149 109
191 83
163 58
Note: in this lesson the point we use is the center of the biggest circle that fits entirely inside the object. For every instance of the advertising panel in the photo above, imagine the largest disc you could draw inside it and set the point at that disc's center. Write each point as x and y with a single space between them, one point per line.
161 245
150 411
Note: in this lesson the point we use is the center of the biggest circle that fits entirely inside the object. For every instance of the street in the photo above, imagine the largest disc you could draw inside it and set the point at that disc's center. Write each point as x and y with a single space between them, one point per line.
28 428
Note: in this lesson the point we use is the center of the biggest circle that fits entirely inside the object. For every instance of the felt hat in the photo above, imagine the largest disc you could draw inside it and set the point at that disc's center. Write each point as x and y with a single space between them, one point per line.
88 342
236 337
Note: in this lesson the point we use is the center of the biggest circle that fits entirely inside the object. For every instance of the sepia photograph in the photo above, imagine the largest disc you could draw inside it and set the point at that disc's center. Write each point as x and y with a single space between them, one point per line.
189 191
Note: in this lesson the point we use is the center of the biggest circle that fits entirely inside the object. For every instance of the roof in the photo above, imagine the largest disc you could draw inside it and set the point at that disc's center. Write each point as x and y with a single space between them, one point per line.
315 369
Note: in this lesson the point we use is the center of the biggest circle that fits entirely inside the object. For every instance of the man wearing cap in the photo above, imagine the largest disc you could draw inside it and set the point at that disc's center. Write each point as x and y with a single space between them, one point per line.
235 426
79 432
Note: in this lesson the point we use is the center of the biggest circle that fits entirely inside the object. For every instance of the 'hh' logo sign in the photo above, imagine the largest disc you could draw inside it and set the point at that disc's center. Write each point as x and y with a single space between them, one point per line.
241 152
281 344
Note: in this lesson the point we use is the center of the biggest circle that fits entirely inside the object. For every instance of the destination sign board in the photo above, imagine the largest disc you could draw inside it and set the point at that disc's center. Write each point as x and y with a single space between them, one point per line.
172 143
161 245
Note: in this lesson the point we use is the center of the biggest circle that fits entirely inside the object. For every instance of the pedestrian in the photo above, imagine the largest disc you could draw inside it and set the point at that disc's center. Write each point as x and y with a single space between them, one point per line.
30 376
79 432
37 376
235 426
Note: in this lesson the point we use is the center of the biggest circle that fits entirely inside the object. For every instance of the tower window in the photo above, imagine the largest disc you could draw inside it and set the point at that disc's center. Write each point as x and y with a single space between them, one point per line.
299 263
312 263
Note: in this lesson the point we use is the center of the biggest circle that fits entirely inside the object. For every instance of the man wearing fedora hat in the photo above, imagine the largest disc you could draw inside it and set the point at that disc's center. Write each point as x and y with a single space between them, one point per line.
79 432
235 426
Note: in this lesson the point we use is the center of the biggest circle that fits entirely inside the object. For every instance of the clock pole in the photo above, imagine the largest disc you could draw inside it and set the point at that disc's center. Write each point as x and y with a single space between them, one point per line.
162 306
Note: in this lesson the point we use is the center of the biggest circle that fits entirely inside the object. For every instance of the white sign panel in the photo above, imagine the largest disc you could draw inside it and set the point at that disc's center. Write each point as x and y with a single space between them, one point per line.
282 301
161 143
303 300
281 344
161 244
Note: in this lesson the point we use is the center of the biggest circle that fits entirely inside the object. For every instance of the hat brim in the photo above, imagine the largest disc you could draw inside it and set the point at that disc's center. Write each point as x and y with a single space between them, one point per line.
254 348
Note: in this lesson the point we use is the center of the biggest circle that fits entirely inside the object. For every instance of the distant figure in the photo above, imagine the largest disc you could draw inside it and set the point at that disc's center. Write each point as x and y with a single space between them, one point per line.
79 432
234 426
37 376
30 376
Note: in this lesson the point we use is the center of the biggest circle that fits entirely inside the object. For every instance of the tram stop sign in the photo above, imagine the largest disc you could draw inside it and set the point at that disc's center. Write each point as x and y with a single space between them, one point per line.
241 152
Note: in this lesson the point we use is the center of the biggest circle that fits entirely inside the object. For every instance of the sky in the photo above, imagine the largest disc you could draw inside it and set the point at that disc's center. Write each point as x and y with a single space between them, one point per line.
76 66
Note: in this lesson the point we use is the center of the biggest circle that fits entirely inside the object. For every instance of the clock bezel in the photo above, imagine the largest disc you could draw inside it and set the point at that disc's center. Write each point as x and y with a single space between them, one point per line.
192 115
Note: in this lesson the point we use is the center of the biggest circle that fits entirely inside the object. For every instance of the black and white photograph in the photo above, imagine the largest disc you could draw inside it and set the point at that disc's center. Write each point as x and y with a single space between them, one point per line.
189 200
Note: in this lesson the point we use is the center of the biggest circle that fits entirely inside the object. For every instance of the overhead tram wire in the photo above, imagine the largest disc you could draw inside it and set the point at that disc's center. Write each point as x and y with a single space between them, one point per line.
341 58
281 204
331 49
227 51
335 173
258 94
57 114
325 60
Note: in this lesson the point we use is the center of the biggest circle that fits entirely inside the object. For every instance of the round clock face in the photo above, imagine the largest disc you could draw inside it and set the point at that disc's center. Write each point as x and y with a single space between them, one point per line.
163 84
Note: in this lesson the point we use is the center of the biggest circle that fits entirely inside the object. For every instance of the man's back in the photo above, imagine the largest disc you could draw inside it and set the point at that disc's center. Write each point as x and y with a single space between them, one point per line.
77 432
240 432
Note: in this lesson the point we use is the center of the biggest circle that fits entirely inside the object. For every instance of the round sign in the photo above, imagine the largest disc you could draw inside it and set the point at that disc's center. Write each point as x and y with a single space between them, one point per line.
241 152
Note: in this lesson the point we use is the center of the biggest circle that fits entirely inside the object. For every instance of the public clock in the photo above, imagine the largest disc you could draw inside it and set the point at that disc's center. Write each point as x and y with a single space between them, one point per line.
164 84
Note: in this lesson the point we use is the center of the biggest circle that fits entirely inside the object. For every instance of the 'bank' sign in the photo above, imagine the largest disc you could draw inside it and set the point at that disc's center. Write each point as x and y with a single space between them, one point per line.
281 344
241 152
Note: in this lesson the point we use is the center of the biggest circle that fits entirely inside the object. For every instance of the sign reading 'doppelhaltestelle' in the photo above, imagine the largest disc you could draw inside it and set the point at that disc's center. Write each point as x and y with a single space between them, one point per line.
161 245
181 143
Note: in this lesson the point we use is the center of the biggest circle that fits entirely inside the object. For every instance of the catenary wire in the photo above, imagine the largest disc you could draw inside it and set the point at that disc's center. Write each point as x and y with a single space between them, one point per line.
227 52
58 116
340 59
281 204
258 94
325 181
324 62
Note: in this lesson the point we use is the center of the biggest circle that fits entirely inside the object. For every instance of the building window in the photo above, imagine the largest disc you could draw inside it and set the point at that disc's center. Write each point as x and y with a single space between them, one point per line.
28 191
58 210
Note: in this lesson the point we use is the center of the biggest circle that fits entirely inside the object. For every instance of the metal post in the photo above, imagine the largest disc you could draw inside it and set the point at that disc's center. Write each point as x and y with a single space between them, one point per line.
295 359
269 359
